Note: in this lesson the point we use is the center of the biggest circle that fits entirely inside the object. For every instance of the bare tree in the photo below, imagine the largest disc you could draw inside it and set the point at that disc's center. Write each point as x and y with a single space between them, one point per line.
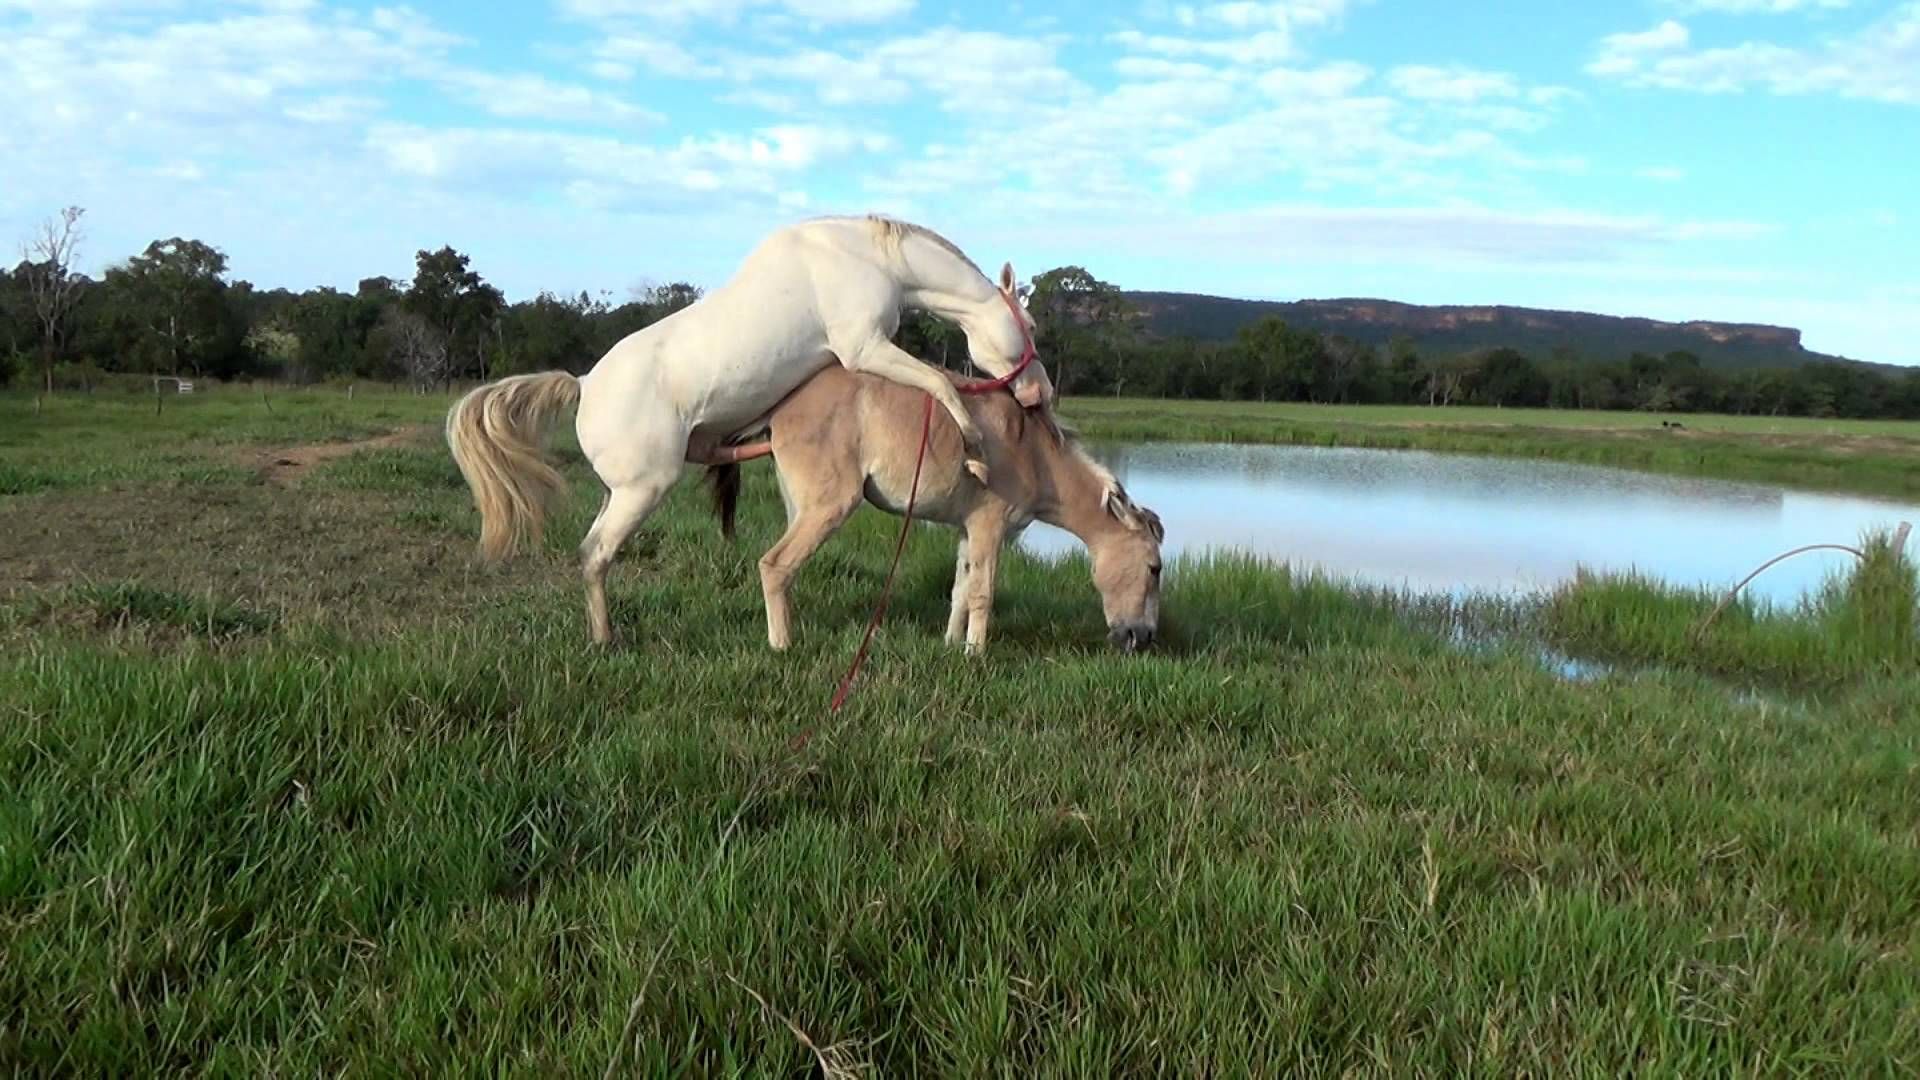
1444 383
418 348
49 256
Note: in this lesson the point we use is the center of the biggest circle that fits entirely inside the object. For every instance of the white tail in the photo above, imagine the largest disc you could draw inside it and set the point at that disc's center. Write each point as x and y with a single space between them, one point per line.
495 433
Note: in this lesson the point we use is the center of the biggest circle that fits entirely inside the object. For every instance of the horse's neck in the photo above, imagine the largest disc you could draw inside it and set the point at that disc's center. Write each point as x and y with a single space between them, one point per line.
942 283
1074 493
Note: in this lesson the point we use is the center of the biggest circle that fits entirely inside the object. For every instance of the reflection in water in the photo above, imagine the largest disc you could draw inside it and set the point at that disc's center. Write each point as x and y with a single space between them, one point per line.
1449 522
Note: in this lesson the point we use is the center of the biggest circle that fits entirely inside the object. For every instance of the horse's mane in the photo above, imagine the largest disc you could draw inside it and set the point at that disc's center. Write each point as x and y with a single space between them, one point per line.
1114 495
892 231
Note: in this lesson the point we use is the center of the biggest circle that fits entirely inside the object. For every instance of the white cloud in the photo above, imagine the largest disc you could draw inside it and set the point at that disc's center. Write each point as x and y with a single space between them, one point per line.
1880 62
1256 33
1760 7
1445 236
1333 80
1621 53
1266 47
973 71
616 56
1457 84
180 170
1665 174
1253 16
728 11
535 97
607 170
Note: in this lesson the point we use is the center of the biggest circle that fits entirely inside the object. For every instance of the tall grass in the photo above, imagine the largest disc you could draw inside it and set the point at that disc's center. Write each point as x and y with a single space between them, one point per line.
1859 624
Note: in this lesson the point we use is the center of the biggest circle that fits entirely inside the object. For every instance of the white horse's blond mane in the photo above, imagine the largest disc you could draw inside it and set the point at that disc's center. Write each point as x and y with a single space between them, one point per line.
892 231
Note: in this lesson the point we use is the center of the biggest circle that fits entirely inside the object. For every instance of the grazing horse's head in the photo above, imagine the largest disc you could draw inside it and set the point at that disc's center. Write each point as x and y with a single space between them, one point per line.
1126 570
998 343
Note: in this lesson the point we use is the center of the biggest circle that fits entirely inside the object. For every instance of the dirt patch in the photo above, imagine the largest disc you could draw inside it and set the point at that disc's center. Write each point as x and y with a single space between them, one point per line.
330 556
285 466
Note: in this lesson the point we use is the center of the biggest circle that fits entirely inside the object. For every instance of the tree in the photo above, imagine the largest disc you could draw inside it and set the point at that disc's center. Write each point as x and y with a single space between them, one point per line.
550 333
174 291
48 256
932 339
666 299
1073 311
1446 379
1352 370
1405 379
458 304
1506 377
416 347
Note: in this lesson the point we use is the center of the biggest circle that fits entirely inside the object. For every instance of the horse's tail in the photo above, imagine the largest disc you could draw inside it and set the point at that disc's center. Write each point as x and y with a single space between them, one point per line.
494 433
723 477
724 481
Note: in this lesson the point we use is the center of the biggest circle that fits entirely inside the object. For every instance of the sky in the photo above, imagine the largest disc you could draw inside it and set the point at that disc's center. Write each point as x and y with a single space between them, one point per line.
1736 160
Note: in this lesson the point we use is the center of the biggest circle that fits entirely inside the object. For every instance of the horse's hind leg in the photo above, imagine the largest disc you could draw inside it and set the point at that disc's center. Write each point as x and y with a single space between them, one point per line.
626 508
639 466
810 523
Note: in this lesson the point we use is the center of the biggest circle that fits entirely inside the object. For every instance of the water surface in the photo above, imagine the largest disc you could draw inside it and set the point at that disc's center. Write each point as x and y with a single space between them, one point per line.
1458 523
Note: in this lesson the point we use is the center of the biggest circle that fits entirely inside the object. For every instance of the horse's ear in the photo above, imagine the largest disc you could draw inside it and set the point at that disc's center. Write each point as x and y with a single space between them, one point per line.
1154 525
1114 501
1006 277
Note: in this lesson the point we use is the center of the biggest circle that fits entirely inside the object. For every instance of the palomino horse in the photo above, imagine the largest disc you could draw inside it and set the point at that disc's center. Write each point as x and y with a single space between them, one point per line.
672 392
844 437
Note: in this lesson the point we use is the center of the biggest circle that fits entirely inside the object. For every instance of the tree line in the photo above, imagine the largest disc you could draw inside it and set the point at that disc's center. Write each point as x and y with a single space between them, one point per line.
173 310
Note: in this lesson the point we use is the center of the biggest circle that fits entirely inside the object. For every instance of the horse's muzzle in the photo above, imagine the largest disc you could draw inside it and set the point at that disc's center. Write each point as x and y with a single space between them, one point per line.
1131 638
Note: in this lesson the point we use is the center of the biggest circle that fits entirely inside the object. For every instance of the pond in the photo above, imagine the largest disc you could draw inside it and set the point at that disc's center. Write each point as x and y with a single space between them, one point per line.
1456 523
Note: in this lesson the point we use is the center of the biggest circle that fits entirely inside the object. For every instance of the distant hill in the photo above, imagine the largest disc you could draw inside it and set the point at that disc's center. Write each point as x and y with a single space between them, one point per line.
1457 329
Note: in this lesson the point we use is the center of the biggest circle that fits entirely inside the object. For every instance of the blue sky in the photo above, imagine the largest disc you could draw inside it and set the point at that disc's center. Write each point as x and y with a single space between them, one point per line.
1715 159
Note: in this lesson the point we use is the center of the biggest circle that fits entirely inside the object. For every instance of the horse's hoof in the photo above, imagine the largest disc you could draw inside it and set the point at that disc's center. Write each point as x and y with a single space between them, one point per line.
978 469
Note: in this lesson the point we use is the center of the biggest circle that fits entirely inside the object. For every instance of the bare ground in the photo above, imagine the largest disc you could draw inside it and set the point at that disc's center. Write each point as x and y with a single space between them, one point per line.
288 464
298 552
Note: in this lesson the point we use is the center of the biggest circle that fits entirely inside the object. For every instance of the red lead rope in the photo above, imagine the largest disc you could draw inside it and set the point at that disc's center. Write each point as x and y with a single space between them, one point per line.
906 520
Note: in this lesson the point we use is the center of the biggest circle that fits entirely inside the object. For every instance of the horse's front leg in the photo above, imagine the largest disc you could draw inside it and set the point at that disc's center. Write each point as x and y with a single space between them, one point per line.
984 534
887 360
957 615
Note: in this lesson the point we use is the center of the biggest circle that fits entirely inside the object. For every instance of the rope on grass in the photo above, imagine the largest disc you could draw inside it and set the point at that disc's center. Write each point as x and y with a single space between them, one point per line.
1899 544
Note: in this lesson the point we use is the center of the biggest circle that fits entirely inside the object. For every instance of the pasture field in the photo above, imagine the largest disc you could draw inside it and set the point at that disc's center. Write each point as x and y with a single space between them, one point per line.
290 784
1868 456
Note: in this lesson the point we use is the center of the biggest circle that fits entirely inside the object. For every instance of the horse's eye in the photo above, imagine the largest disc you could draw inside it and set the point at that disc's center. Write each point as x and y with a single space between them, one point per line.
1154 569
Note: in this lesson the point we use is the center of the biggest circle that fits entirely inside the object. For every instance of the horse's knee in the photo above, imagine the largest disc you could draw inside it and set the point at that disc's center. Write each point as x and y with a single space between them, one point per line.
774 574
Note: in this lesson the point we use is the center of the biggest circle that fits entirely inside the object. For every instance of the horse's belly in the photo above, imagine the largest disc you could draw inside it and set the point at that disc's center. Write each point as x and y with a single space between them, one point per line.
729 395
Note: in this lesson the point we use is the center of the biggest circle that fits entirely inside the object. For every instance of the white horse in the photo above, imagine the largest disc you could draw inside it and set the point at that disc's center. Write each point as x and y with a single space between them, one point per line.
677 390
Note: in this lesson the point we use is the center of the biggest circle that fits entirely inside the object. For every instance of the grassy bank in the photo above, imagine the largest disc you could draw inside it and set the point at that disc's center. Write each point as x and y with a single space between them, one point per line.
1867 456
288 784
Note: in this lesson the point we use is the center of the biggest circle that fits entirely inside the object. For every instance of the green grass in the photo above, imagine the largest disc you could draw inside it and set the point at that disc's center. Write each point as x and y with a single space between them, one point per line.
1861 624
1205 412
287 785
1872 456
